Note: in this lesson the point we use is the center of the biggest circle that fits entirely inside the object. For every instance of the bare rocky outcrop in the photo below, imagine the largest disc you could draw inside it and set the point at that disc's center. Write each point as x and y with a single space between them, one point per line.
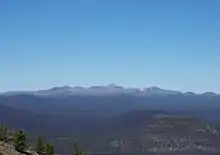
8 149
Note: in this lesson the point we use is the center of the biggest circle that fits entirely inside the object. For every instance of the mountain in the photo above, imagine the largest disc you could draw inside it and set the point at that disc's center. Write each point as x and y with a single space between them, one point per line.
108 90
137 132
102 116
52 102
209 94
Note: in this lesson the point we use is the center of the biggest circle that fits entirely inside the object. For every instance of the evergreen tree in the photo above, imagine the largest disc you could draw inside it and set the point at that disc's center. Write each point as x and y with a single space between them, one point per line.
19 140
49 149
77 151
39 146
3 133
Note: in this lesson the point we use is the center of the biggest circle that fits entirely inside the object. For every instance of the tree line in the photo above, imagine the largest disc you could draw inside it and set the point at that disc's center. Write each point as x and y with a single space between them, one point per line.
18 140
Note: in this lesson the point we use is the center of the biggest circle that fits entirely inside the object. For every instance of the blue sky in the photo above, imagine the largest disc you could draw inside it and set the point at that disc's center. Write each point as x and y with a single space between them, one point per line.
138 43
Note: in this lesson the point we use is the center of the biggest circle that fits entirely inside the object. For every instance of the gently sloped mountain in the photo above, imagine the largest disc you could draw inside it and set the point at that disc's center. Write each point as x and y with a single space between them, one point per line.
159 91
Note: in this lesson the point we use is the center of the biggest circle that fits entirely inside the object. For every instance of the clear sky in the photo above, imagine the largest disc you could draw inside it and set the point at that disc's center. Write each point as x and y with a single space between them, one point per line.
174 44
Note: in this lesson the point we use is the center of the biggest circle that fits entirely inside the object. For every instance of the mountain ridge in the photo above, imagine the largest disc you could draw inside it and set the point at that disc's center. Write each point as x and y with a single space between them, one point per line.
111 89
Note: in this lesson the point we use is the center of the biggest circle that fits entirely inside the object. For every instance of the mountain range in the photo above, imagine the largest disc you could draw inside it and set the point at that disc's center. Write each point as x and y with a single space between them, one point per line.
104 116
108 90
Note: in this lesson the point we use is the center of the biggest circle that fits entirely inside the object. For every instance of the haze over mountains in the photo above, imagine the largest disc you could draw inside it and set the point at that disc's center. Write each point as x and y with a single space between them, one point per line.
105 90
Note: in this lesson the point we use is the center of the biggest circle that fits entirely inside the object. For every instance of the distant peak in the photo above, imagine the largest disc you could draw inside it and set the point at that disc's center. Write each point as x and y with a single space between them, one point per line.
111 85
114 86
209 94
61 87
189 93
